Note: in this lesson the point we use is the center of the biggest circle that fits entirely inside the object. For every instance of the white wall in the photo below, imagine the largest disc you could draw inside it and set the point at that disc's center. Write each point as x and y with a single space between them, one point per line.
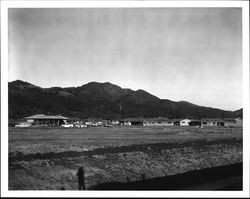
185 122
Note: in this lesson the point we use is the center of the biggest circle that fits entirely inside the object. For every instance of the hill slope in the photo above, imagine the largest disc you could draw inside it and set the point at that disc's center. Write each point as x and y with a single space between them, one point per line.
103 100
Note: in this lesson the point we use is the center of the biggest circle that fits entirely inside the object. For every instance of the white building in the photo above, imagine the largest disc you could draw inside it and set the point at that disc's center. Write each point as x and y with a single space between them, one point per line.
185 122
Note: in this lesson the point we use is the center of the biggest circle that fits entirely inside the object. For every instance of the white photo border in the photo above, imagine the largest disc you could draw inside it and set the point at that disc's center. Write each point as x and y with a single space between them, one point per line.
5 5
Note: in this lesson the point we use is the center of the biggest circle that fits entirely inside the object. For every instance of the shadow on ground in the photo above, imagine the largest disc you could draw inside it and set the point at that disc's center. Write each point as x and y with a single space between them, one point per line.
221 178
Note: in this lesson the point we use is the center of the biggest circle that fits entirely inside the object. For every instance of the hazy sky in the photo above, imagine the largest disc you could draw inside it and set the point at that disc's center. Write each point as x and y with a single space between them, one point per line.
191 54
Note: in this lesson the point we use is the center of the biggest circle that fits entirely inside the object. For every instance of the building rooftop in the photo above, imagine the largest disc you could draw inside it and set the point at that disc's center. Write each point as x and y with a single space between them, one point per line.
132 119
212 119
43 116
156 119
230 119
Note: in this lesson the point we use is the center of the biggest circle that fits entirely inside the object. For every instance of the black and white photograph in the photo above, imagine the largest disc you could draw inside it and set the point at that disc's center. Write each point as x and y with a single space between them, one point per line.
125 98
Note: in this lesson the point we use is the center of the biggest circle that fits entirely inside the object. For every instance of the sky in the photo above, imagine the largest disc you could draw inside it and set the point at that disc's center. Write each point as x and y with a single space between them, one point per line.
180 54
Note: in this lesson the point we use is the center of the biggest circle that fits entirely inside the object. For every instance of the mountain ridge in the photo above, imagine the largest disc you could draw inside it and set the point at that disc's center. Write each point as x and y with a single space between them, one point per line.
104 100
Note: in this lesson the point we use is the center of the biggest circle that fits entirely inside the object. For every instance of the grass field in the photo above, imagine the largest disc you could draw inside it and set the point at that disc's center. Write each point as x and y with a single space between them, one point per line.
48 158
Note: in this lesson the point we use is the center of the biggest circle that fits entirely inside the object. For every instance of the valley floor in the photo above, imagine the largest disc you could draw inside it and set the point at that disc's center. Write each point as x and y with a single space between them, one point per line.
48 159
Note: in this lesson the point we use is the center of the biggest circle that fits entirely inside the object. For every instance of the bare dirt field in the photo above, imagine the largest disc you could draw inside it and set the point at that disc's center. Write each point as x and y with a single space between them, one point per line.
48 158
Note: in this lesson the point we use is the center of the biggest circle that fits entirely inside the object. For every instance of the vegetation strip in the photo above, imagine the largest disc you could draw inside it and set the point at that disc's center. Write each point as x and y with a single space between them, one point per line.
119 149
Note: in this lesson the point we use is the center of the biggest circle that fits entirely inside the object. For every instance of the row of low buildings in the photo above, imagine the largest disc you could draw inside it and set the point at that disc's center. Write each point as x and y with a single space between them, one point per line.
58 120
204 122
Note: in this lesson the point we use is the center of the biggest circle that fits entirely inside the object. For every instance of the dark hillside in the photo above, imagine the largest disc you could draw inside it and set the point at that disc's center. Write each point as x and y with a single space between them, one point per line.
103 100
